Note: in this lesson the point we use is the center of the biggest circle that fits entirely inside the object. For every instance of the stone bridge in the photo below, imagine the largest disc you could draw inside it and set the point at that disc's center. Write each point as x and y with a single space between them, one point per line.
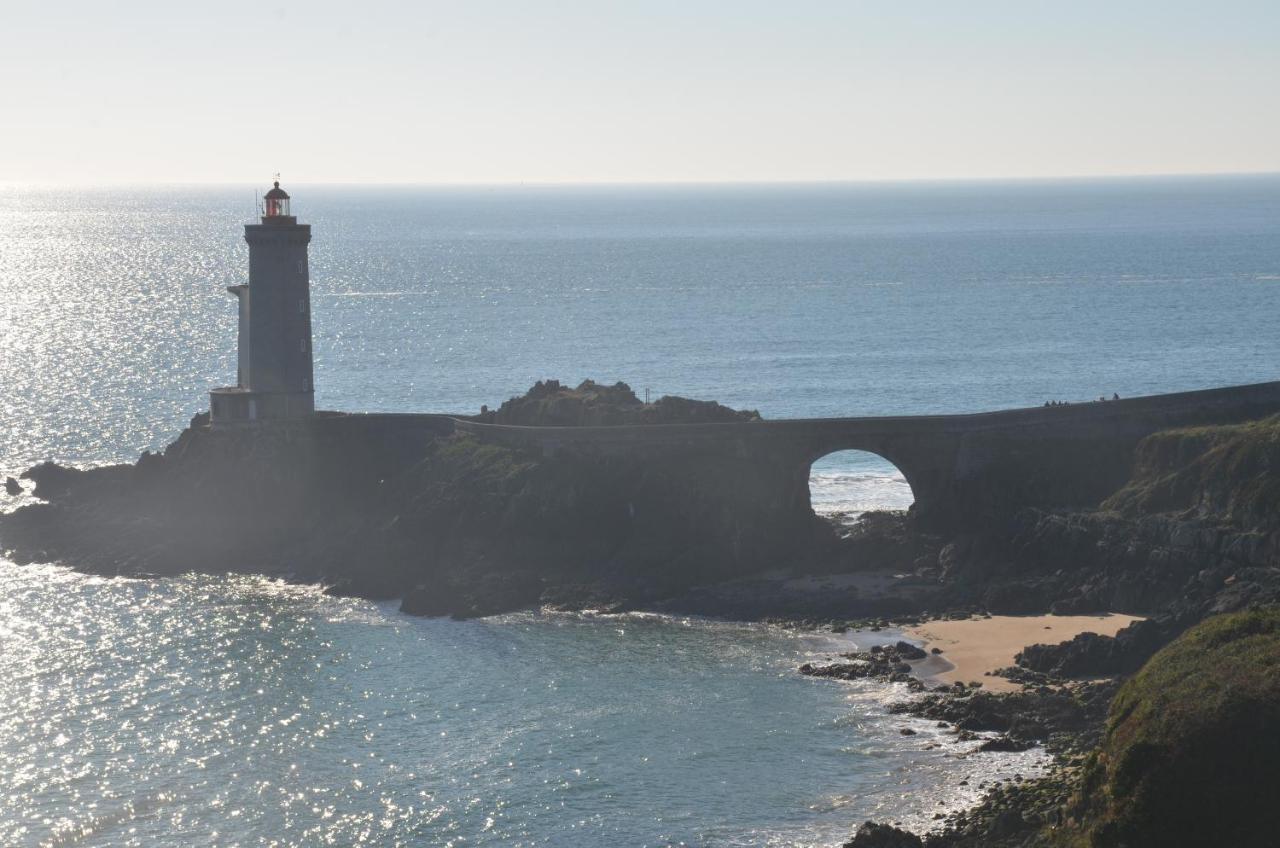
959 467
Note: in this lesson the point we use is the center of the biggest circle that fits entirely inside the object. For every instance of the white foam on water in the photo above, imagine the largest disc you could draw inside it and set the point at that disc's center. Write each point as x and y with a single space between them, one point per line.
847 484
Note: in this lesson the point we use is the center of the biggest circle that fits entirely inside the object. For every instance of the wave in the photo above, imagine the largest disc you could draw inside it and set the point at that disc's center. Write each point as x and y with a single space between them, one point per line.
853 493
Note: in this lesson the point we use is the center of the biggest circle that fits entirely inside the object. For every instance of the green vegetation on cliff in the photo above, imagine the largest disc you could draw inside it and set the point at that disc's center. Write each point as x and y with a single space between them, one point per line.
1227 471
1191 755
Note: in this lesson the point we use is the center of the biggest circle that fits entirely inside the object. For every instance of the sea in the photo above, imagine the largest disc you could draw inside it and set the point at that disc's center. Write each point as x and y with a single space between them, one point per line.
240 711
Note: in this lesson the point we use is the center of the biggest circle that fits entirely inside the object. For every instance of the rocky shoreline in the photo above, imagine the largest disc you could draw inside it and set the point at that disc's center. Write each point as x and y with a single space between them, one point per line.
1180 754
456 527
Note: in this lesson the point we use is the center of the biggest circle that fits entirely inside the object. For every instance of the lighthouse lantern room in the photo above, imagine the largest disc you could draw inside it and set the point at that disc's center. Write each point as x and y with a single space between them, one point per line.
275 203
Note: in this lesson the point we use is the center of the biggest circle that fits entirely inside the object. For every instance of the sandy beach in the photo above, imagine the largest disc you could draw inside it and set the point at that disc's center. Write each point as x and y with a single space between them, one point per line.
971 647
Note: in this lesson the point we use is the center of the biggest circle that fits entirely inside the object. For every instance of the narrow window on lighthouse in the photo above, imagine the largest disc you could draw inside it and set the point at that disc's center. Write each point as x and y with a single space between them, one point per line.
302 307
302 345
299 266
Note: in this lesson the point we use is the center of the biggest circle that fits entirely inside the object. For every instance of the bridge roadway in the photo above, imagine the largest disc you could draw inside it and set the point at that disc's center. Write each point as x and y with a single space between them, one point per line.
957 465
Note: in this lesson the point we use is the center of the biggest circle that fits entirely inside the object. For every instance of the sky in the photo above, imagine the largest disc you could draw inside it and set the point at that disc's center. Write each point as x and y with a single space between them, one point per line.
562 91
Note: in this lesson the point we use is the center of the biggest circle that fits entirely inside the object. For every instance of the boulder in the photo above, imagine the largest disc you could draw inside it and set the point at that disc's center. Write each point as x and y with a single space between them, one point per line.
873 835
908 651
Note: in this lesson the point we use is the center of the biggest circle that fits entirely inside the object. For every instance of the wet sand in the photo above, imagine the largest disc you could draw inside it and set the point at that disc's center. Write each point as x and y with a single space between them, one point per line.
973 646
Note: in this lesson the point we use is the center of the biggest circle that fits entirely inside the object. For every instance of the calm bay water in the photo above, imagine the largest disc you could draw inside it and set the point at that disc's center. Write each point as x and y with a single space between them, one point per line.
239 712
222 712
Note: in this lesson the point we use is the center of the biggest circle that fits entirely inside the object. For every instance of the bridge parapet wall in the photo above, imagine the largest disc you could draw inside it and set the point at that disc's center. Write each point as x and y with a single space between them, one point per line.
962 467
1134 414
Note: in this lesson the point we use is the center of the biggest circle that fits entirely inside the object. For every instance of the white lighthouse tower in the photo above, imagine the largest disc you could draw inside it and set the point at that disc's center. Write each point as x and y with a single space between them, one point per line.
274 372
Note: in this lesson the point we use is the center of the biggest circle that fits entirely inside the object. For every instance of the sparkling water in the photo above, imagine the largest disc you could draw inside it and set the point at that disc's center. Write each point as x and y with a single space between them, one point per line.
233 711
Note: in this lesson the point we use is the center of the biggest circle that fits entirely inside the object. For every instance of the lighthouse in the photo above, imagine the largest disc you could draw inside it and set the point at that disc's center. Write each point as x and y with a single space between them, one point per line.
273 361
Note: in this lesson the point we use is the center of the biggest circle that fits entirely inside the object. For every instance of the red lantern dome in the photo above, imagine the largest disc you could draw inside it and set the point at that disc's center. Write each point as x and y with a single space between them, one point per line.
275 203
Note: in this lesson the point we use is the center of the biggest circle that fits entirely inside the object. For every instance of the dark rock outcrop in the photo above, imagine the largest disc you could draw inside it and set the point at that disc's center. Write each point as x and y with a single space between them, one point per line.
549 403
1064 717
398 506
873 835
1092 655
882 662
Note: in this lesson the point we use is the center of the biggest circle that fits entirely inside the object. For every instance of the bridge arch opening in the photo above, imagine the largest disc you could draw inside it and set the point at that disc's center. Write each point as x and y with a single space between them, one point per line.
845 484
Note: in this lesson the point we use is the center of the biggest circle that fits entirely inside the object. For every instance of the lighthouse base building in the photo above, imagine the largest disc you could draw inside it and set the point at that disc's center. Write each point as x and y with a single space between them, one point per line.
273 362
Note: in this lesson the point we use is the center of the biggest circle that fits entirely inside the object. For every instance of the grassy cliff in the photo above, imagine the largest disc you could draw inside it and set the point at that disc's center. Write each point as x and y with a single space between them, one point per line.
1229 472
1191 755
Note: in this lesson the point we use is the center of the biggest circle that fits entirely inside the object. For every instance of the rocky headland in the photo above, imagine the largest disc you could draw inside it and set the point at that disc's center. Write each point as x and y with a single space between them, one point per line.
410 507
418 508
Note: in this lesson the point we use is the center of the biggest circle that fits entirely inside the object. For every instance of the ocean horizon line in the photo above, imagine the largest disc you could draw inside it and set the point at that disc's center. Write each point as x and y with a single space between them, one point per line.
1027 180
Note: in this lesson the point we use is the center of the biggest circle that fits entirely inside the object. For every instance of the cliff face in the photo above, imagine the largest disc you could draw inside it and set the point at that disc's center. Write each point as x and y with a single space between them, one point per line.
603 527
1229 475
1192 746
399 506
1195 530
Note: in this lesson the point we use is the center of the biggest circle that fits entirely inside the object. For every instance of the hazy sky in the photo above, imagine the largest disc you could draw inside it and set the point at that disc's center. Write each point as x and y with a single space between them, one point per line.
599 91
